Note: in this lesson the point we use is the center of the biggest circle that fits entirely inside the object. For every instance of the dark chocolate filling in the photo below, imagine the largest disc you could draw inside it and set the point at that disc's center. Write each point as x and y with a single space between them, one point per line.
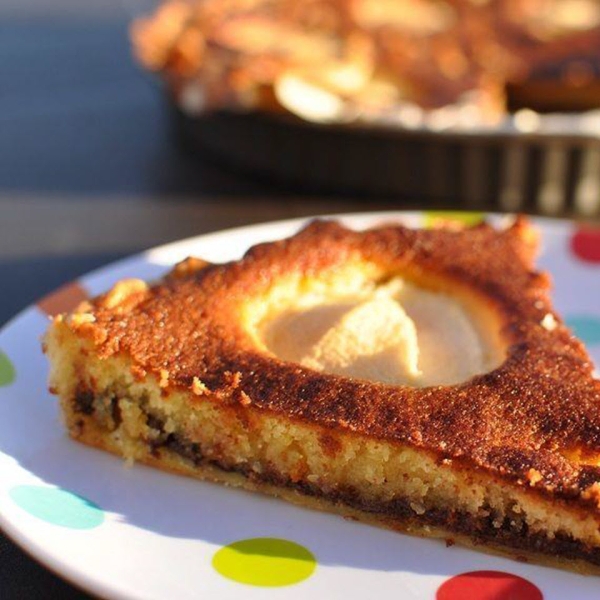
508 532
115 411
84 401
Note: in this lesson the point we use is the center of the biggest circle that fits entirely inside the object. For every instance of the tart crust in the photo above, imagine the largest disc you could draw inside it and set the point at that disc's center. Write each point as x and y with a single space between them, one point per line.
173 375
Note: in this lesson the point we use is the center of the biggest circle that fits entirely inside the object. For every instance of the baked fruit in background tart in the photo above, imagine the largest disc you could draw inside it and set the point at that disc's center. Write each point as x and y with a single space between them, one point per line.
417 379
375 60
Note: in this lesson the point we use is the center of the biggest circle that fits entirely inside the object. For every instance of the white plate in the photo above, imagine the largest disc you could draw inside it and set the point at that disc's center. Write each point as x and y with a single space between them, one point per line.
153 535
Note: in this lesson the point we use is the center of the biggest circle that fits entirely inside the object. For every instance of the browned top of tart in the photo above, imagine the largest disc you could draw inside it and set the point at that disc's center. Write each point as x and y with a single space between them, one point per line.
534 418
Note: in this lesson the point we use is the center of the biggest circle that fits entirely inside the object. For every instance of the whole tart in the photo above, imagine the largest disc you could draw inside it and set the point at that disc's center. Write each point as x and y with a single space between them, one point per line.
270 373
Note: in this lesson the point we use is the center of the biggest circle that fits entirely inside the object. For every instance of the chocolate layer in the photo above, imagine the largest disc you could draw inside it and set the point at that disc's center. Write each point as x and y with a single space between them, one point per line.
511 531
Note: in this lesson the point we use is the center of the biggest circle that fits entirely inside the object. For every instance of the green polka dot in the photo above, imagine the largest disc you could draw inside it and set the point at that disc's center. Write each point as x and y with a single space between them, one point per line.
268 562
438 217
7 371
586 328
57 506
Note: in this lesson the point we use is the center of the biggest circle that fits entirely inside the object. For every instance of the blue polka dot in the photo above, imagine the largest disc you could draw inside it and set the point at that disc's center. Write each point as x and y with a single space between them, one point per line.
57 506
585 327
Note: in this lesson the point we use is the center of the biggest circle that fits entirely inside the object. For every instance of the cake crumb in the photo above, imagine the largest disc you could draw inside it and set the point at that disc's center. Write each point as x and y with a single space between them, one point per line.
138 372
233 380
533 476
78 319
187 267
122 291
198 387
164 378
245 400
549 323
592 493
418 508
521 558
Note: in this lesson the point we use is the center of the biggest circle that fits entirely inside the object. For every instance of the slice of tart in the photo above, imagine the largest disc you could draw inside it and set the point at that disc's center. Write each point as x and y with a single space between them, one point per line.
416 379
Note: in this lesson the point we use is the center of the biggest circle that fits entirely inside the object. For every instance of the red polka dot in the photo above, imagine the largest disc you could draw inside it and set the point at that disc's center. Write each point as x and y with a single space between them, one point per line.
488 585
585 244
64 299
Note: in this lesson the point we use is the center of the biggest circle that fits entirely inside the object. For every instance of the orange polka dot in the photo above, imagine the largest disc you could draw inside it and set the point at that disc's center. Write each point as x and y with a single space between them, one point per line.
585 244
64 299
488 585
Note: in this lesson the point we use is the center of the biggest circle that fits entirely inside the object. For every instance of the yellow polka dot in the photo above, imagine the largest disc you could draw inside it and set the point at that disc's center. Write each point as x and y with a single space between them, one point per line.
267 562
441 217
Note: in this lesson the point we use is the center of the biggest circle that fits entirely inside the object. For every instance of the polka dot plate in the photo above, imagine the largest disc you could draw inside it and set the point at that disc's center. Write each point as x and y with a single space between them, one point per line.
135 532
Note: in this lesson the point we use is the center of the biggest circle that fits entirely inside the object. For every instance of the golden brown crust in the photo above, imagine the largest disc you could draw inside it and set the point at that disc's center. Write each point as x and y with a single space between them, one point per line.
523 421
